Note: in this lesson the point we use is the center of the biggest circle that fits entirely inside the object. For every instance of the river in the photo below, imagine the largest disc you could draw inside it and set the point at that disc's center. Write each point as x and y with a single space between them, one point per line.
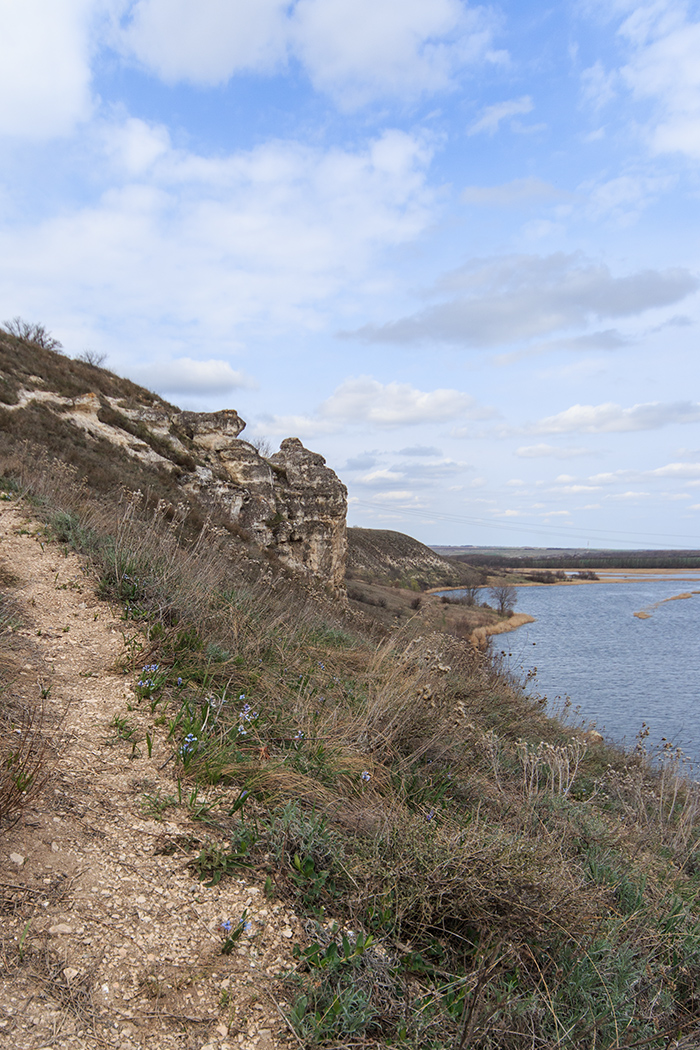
620 670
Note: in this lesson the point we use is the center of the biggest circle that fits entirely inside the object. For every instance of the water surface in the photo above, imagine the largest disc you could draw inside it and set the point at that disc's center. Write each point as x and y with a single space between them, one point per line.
621 671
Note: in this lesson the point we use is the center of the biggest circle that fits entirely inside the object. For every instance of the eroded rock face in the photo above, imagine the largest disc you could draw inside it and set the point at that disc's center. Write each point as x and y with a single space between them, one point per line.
314 508
212 431
292 503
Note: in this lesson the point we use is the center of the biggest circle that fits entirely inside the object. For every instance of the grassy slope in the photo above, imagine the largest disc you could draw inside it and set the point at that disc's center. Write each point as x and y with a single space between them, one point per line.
505 885
384 556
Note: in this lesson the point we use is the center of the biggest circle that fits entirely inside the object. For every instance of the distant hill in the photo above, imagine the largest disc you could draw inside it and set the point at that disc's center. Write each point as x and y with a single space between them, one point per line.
384 556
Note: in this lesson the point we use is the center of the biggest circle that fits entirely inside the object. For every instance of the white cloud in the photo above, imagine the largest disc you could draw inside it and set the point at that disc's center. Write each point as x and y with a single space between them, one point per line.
208 40
180 248
664 68
675 470
433 471
380 477
290 426
517 193
631 495
135 146
508 298
365 400
552 451
355 49
598 86
420 450
611 418
184 375
492 116
45 68
352 49
662 43
624 197
403 495
573 490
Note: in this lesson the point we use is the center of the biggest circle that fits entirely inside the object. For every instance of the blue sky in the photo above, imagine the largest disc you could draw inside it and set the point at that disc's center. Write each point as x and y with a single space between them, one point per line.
452 247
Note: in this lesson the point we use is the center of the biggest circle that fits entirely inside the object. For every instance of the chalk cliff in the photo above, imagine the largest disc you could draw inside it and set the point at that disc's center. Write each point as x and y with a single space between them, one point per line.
290 503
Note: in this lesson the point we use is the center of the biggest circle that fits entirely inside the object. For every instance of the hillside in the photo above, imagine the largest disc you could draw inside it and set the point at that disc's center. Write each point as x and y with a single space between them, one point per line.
237 811
384 556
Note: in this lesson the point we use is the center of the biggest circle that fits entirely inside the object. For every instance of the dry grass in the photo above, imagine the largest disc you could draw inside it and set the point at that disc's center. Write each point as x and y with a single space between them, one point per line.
527 890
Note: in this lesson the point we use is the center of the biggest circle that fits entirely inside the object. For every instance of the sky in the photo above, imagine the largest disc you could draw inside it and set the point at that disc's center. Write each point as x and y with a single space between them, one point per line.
452 247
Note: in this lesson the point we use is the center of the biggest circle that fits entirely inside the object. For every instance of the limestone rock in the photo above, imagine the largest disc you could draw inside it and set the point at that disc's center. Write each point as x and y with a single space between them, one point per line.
290 504
212 431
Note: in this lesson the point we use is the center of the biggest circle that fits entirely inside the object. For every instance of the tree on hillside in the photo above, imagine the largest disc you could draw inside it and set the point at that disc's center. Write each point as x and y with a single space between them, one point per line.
31 333
505 596
471 593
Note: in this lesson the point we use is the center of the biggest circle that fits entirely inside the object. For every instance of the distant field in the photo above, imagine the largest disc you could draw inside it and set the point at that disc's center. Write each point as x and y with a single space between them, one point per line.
571 557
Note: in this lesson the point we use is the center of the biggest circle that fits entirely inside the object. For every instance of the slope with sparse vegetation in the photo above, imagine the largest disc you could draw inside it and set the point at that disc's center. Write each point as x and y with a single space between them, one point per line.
473 872
387 557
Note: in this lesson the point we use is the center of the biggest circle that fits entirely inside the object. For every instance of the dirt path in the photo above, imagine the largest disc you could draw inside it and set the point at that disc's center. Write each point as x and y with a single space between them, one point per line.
107 939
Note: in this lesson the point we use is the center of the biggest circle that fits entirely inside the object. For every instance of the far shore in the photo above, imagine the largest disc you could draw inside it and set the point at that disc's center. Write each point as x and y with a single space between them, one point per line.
604 576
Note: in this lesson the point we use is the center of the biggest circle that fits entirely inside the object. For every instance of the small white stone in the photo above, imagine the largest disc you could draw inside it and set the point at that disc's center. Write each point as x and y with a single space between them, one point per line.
55 847
17 858
59 928
286 932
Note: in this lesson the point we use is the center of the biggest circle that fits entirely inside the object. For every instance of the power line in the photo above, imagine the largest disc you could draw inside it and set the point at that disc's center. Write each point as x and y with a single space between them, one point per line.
533 527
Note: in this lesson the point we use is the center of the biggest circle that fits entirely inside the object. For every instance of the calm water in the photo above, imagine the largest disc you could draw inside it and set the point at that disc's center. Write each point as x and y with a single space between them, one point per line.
620 670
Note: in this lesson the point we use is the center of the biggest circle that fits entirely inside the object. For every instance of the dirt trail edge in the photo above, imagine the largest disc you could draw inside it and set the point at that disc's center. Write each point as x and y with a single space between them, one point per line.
107 939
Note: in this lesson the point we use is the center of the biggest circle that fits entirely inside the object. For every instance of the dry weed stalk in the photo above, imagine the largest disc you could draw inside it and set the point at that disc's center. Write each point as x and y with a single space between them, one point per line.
27 756
559 763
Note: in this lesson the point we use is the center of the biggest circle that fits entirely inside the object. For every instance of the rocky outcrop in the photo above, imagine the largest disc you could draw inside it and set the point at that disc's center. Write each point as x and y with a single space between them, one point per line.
290 504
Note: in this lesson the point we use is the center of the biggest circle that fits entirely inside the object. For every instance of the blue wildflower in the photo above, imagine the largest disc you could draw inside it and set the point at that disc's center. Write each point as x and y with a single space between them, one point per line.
188 744
365 775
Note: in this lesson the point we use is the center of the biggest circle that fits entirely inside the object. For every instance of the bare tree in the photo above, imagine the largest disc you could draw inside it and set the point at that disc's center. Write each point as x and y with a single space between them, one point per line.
505 596
92 357
32 333
263 445
471 593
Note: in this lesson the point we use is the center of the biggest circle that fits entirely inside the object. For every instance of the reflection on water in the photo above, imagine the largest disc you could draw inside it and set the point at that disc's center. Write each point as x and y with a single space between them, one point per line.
588 645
